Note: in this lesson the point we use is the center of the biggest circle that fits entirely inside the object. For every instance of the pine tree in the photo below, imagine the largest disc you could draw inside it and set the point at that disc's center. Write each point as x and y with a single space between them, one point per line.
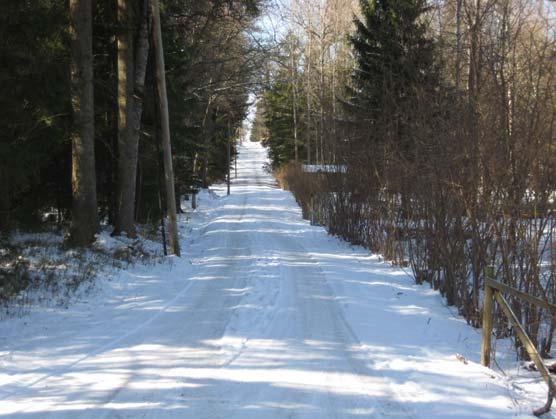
34 151
84 209
132 68
127 141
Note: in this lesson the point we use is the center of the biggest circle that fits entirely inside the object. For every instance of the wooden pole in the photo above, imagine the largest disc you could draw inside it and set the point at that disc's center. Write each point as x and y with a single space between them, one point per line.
531 350
229 164
229 159
165 128
494 289
522 295
487 319
294 90
312 210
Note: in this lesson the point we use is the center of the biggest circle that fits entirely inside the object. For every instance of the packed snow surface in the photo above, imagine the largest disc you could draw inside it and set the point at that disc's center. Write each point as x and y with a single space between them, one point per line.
264 316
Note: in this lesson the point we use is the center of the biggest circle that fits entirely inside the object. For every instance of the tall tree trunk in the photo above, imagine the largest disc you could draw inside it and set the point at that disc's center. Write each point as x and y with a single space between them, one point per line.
141 60
165 128
194 189
127 141
83 178
294 91
208 131
474 54
458 43
228 158
309 58
322 100
5 205
335 63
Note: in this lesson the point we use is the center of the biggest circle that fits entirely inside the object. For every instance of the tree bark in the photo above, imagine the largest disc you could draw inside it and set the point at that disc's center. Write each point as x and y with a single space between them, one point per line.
294 91
208 131
165 128
228 158
84 209
458 43
194 192
309 58
5 205
130 79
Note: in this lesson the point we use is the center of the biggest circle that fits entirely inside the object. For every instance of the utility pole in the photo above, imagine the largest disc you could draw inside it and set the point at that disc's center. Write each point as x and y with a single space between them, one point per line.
165 129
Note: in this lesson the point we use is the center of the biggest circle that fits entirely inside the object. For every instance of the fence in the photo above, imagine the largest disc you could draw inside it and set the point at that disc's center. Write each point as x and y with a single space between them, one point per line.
494 291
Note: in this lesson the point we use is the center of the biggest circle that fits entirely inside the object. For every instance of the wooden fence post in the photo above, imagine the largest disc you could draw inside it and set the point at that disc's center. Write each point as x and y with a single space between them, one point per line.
531 350
494 290
487 318
312 218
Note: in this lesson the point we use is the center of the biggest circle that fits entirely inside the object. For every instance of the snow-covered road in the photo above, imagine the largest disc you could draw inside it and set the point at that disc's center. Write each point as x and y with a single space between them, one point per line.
264 316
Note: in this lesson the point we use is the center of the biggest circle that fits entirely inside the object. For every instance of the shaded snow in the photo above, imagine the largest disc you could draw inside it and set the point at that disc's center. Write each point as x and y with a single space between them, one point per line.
264 316
54 275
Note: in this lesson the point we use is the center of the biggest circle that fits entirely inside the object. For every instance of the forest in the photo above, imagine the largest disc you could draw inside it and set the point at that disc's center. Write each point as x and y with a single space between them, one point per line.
423 131
81 133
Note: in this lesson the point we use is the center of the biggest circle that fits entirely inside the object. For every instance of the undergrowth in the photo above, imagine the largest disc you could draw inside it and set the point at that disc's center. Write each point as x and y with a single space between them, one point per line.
38 269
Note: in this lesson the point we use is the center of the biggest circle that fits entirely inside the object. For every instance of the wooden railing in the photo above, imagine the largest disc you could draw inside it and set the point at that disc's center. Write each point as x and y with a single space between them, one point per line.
494 290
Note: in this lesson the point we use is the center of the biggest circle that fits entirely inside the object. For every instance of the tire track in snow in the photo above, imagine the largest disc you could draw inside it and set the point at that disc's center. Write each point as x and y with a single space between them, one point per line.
23 388
342 332
62 370
287 251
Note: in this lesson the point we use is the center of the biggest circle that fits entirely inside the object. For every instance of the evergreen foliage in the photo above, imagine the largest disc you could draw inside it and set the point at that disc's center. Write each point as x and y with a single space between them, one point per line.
278 119
211 64
275 123
34 81
395 63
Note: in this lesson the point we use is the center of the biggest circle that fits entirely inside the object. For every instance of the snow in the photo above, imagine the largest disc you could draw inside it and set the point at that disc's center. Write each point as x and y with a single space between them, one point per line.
324 168
56 275
264 316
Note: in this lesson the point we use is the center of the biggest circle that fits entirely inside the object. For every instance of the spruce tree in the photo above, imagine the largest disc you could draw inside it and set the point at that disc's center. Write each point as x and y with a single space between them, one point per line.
394 63
279 120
